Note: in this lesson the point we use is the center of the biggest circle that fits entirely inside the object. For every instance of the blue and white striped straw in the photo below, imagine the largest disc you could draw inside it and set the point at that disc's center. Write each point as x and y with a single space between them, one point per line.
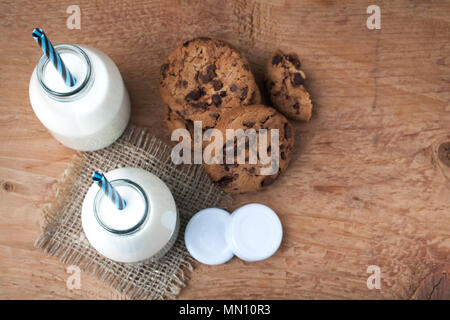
54 57
108 190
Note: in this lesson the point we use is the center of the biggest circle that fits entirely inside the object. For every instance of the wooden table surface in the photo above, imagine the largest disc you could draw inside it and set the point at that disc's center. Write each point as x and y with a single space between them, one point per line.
366 186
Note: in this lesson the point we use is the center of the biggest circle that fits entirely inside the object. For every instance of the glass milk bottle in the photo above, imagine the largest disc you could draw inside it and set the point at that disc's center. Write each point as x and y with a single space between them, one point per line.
144 230
90 115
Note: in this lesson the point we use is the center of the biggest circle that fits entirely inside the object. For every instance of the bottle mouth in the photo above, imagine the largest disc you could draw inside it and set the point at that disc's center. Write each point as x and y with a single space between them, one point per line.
45 63
134 221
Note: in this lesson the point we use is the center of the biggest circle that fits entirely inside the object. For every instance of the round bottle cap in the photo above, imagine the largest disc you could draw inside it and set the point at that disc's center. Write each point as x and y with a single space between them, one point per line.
205 236
254 233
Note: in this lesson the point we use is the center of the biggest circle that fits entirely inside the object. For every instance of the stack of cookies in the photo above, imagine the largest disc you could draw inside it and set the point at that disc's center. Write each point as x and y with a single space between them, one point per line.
207 80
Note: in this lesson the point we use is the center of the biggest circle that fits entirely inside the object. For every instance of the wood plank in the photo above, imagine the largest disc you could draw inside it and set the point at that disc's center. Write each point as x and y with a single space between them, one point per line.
366 185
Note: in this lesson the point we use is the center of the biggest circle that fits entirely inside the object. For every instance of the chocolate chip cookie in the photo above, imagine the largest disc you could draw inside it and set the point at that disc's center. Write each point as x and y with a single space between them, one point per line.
285 84
249 177
175 121
204 77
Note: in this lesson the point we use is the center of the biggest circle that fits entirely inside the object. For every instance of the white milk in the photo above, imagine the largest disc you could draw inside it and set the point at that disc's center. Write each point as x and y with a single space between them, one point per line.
144 230
77 67
92 114
128 217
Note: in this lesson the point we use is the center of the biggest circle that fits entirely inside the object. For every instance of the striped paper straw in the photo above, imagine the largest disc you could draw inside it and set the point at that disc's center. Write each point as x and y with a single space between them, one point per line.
53 56
108 190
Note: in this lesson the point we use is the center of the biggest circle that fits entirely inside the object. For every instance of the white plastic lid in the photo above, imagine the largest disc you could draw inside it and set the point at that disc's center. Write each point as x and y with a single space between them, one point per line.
255 232
205 236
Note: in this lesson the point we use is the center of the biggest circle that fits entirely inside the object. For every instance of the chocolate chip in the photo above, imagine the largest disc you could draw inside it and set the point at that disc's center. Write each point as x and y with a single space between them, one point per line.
249 124
214 115
217 85
251 170
298 79
282 147
217 100
227 168
294 60
296 106
276 60
210 74
268 181
186 43
287 131
164 69
283 156
184 83
195 94
246 67
170 109
200 105
211 68
223 94
244 92
225 181
233 88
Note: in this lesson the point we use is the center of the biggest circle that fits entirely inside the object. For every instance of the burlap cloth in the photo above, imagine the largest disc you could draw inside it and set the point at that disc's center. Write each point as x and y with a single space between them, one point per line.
62 235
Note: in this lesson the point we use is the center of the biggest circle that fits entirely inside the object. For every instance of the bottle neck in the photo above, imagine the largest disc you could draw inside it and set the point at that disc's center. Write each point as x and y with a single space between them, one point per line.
127 220
77 61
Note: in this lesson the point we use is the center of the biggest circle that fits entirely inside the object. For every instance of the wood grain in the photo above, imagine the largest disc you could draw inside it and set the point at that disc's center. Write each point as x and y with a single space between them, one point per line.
367 184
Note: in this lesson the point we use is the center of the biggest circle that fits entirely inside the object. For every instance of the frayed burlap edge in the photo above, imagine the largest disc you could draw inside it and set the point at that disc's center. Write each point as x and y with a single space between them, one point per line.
138 138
